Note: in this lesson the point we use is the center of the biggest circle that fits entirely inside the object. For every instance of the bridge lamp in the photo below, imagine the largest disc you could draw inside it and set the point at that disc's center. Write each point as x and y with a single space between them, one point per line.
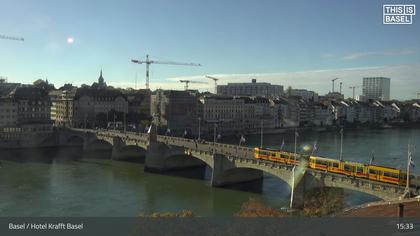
307 147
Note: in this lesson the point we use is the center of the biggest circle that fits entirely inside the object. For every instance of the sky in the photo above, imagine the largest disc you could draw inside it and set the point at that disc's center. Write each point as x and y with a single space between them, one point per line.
303 44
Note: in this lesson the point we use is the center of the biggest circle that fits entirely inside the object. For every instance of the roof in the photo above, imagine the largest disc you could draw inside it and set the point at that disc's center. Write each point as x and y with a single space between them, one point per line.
99 93
29 93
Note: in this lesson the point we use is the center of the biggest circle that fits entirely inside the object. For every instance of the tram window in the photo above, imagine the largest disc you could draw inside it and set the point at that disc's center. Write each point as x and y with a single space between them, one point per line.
273 154
375 172
390 174
335 165
348 168
359 170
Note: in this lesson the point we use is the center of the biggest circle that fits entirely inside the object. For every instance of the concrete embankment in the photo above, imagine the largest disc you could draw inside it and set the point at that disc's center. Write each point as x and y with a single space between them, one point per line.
403 208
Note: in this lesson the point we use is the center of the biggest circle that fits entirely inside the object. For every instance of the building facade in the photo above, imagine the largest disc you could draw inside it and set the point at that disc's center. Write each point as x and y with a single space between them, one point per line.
33 109
97 105
8 113
250 89
177 111
376 88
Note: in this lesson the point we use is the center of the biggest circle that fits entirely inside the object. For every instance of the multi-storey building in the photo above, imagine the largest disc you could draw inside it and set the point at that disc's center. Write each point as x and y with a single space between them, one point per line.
8 113
376 88
304 94
177 111
5 87
33 108
139 101
250 89
92 105
64 108
226 112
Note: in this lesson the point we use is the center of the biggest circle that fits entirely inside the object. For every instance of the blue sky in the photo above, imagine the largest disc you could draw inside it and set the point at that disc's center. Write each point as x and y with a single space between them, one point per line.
303 44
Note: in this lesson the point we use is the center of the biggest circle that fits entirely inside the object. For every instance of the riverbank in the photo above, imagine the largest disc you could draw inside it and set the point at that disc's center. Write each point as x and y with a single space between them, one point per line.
410 208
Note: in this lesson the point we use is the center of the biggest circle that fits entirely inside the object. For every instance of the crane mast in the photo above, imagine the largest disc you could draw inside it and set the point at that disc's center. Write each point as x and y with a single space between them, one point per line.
333 81
148 62
215 82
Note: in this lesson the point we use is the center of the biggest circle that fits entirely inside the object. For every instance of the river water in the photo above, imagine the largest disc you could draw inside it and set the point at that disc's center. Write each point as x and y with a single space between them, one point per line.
65 182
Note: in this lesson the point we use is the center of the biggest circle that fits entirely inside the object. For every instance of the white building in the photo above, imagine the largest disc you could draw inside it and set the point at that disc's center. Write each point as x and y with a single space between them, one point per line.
250 89
376 88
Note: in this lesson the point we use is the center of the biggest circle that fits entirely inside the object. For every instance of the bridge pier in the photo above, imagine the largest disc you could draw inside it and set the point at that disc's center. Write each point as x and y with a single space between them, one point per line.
161 157
117 145
225 173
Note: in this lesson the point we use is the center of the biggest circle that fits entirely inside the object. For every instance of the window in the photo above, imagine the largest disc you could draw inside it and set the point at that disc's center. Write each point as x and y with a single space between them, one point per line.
348 168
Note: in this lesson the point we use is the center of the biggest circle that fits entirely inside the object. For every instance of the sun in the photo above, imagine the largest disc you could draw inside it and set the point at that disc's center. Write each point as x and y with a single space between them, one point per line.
70 40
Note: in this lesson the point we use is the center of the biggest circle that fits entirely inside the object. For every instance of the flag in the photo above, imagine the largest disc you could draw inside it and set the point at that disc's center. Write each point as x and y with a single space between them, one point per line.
242 139
150 129
411 162
185 133
219 136
282 145
372 158
296 134
315 147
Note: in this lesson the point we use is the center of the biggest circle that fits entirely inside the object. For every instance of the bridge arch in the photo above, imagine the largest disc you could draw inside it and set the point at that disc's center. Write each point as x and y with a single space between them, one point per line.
98 144
75 140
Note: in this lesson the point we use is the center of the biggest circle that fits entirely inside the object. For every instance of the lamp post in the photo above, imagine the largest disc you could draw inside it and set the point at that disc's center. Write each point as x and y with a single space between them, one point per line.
296 135
85 120
214 138
341 144
125 122
262 135
199 128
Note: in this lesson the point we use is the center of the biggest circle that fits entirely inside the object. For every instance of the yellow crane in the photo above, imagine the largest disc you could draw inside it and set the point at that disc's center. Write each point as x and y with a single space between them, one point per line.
192 82
147 62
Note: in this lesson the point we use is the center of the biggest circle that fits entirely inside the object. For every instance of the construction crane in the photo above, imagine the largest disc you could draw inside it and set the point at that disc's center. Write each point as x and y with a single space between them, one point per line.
354 88
11 37
215 82
148 62
192 82
333 81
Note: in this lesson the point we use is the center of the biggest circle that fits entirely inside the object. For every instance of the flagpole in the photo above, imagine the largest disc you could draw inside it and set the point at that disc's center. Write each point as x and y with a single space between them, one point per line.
341 145
407 187
295 144
313 148
261 133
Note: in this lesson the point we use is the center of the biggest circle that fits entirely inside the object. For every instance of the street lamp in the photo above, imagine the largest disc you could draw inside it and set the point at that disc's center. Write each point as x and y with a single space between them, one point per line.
199 128
214 138
262 122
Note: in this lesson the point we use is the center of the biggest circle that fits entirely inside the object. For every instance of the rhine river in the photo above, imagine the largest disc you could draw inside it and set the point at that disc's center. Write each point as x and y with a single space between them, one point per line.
65 182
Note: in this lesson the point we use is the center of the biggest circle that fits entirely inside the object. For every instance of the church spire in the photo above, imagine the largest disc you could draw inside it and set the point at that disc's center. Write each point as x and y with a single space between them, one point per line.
101 81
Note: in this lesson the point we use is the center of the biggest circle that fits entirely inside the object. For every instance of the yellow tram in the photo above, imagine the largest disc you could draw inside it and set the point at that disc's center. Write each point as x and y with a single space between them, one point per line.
360 170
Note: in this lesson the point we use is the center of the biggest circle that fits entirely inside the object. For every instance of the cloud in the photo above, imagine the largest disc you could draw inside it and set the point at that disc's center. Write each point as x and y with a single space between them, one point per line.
358 55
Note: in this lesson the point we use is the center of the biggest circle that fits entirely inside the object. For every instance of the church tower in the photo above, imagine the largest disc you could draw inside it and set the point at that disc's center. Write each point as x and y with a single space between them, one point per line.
101 81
